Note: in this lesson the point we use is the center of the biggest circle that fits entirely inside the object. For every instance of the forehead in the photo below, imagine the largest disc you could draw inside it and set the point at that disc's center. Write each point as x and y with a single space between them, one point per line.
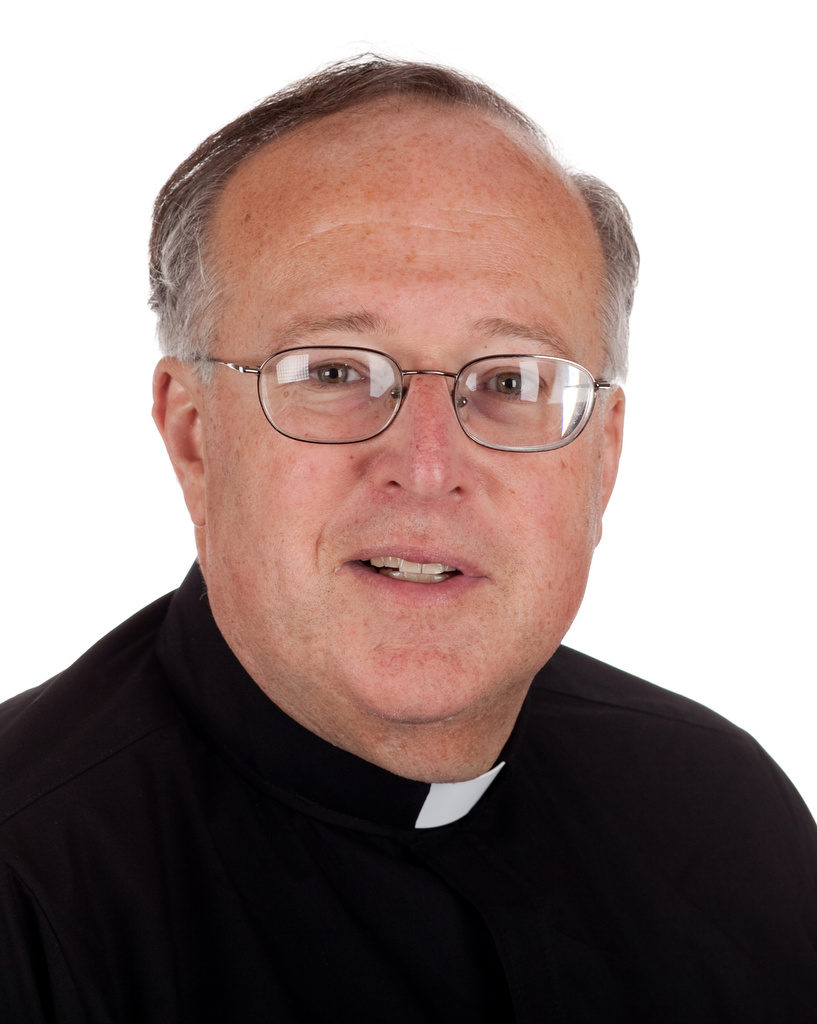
407 191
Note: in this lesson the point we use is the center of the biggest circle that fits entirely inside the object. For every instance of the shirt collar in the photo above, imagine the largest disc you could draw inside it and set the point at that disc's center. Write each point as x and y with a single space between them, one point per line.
275 752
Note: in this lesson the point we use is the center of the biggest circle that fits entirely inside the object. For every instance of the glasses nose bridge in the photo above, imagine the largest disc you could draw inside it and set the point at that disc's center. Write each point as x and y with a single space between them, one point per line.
427 373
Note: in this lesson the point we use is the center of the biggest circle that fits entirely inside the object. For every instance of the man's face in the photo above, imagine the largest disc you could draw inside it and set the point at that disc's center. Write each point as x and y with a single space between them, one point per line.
451 237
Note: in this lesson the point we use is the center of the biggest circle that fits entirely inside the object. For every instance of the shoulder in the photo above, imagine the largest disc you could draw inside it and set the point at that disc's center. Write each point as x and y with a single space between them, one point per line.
675 821
108 700
577 676
606 715
658 760
587 682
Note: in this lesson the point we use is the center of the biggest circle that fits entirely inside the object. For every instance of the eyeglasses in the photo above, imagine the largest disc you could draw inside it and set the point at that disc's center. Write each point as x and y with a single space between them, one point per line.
334 395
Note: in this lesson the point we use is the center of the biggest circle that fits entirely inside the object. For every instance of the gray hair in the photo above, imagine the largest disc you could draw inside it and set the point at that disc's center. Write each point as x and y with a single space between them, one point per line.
183 278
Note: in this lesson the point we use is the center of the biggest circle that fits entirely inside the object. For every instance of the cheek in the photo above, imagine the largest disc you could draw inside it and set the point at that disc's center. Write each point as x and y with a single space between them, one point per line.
562 507
239 493
561 516
256 534
269 499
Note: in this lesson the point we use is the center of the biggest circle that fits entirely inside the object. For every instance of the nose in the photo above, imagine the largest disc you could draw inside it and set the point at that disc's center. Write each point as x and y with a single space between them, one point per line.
425 452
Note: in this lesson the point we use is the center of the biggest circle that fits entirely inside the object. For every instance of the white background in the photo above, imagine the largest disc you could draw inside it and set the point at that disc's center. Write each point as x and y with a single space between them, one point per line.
701 115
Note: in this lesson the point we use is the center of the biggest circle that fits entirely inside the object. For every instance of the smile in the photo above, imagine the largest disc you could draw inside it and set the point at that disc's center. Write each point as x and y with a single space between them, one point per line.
413 572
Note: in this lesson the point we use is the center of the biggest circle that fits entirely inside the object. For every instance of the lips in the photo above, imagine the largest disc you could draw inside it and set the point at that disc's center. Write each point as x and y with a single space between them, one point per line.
398 568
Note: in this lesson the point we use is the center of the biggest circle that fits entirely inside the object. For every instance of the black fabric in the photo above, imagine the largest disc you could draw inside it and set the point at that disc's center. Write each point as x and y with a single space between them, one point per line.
173 848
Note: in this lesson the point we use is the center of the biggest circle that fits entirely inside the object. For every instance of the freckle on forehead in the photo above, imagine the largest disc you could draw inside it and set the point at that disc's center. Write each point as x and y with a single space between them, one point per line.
337 203
331 157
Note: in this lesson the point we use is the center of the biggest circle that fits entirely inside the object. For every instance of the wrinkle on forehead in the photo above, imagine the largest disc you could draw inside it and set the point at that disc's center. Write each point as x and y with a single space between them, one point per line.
493 245
320 231
476 215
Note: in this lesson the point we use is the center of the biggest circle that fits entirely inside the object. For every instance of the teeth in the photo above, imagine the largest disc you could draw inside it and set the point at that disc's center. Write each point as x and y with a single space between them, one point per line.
413 572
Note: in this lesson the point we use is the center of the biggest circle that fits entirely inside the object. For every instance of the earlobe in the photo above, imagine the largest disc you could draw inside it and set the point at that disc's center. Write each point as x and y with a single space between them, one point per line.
177 400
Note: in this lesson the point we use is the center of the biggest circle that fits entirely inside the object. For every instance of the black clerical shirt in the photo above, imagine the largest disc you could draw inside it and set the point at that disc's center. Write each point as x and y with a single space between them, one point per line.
174 848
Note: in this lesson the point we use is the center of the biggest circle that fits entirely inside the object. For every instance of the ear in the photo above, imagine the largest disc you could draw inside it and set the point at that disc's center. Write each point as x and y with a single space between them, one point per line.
177 412
613 439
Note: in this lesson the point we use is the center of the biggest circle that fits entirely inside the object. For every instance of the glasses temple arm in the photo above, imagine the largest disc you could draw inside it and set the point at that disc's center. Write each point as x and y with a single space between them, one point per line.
235 366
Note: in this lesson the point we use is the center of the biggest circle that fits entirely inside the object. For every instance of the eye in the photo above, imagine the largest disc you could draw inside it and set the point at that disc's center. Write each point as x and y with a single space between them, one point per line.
336 373
511 380
507 382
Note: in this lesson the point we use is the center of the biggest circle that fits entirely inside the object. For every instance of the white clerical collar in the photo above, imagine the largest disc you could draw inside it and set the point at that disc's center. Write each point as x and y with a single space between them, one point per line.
449 801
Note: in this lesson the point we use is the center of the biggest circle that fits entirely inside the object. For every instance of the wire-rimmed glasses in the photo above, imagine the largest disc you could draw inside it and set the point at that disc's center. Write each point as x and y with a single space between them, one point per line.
339 395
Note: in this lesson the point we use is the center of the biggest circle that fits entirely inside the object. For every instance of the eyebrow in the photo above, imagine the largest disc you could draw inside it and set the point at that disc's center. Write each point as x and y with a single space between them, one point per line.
495 327
363 322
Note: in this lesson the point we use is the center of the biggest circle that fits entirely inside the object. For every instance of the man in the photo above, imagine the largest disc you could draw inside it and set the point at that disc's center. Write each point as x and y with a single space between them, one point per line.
330 778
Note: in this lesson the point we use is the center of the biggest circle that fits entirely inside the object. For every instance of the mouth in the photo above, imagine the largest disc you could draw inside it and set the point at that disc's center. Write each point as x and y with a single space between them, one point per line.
397 568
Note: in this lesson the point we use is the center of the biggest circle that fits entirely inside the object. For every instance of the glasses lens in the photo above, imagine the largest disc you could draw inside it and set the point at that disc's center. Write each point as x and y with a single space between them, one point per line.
523 403
330 395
